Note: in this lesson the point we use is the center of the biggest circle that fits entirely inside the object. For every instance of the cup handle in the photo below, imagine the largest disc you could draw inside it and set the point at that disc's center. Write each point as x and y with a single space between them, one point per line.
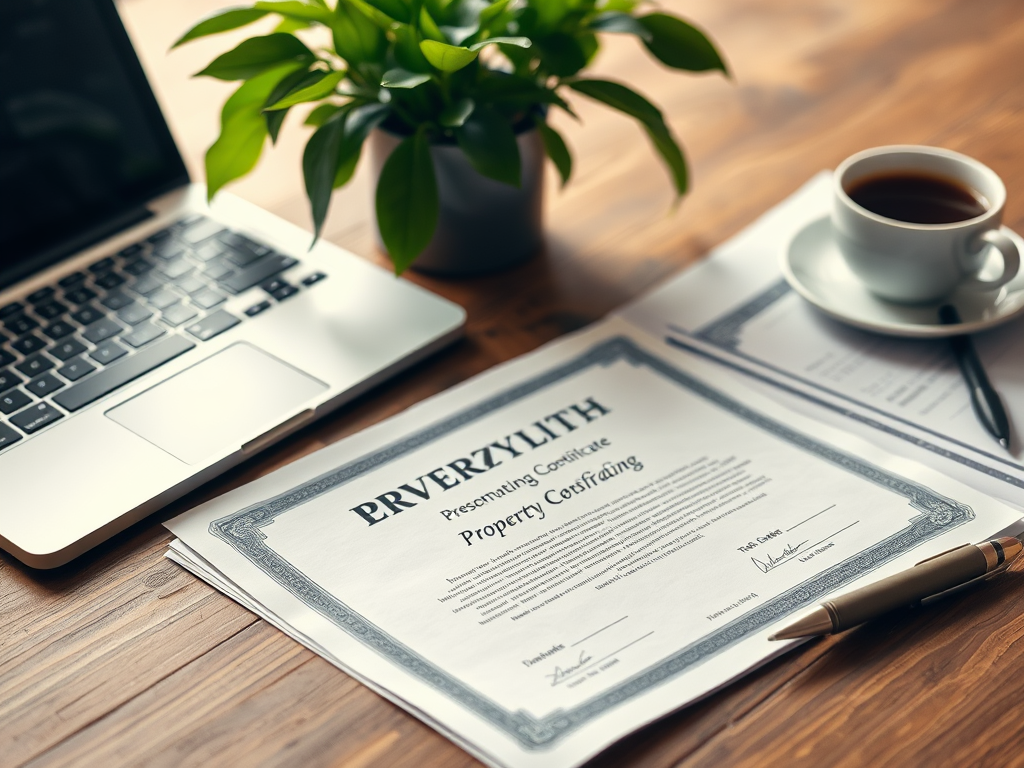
1011 260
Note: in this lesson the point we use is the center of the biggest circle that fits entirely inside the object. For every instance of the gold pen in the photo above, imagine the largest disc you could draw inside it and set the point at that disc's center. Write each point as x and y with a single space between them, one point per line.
940 573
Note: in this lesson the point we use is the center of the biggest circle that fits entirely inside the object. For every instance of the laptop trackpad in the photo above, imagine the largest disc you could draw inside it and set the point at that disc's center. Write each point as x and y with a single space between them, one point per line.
219 404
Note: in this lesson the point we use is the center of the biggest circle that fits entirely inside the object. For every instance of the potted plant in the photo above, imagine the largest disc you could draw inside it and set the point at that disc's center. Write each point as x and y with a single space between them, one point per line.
455 94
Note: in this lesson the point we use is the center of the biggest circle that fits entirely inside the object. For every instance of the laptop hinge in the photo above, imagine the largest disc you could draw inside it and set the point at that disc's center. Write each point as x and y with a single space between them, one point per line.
83 240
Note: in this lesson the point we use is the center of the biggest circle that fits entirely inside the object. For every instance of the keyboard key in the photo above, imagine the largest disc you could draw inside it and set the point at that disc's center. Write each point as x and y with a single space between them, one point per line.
284 292
35 418
50 310
108 352
76 368
143 334
189 284
200 230
138 267
33 366
255 309
161 298
260 272
6 358
79 295
208 298
210 250
244 251
316 277
71 280
106 381
145 285
170 250
217 270
7 436
20 324
116 299
101 266
273 285
41 295
213 325
8 379
67 349
29 344
177 314
10 309
134 314
14 400
101 330
87 315
158 237
132 250
44 385
177 268
60 329
109 280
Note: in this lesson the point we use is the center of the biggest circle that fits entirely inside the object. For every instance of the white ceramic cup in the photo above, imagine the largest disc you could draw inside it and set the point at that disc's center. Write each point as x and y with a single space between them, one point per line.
914 263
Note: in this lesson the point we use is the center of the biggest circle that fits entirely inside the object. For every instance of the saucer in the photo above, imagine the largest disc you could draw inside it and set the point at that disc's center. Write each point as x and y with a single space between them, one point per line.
814 267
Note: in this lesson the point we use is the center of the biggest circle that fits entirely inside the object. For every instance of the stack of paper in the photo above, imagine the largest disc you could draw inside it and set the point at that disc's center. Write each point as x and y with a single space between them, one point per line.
569 546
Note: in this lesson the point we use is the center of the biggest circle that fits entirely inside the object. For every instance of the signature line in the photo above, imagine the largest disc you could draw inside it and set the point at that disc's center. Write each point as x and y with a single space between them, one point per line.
834 534
826 509
581 669
602 629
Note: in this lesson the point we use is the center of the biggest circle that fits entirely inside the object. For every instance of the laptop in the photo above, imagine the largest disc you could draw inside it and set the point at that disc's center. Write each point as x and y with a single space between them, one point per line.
148 342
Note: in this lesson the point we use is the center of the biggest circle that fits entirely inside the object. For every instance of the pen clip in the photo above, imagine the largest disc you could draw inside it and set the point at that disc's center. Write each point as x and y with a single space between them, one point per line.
940 554
963 587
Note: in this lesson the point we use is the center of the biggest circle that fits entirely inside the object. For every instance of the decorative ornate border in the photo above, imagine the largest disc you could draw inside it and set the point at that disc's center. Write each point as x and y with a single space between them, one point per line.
241 530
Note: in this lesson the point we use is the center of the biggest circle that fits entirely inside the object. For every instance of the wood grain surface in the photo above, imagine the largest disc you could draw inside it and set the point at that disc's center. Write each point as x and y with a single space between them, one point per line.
121 658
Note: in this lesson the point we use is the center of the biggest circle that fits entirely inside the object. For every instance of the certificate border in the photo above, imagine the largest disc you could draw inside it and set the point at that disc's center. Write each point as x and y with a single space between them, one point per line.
241 531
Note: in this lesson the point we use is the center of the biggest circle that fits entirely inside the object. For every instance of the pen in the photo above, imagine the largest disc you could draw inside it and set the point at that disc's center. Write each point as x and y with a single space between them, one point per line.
928 578
985 400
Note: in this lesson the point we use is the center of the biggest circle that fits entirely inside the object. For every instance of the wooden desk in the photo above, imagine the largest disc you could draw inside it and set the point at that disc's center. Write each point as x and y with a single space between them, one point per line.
122 658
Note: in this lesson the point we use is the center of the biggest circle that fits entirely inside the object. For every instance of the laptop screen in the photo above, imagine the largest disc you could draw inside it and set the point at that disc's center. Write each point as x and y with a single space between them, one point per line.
82 141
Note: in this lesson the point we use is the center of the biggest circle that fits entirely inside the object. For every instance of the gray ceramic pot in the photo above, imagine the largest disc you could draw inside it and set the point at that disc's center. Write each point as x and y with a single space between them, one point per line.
483 225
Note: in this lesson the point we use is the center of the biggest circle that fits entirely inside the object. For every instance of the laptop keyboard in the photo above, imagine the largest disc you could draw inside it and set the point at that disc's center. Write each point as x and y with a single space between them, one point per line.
91 332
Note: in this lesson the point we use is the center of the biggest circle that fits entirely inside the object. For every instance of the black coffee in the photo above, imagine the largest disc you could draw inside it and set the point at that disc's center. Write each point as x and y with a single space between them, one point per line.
917 198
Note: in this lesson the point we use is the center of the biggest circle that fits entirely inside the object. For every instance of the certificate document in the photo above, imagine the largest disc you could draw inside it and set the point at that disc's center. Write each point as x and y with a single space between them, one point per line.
573 544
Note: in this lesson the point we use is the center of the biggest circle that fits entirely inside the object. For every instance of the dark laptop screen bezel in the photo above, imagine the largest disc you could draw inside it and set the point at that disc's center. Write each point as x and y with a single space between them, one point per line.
172 175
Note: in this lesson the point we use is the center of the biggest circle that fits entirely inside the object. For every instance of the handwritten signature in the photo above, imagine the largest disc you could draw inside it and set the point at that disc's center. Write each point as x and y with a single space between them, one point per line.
787 553
561 673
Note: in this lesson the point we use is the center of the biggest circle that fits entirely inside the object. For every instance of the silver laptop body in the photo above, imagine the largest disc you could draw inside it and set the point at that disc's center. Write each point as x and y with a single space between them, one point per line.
137 368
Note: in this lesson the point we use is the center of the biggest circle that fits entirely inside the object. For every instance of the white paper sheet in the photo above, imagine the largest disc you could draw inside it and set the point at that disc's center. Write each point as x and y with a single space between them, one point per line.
905 395
571 545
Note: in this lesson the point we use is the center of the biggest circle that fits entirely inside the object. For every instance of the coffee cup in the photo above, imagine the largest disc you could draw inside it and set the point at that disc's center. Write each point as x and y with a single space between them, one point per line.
916 223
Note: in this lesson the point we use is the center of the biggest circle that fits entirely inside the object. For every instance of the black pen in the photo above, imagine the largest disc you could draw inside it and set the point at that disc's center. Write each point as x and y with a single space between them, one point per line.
987 405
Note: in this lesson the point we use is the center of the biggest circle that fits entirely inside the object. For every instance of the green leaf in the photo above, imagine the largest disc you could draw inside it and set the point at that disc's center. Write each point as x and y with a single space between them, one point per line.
256 55
556 149
403 78
407 50
622 23
356 38
393 9
319 165
447 58
358 124
243 130
289 25
221 21
519 42
275 119
681 45
490 144
633 104
561 54
429 27
407 202
321 86
456 114
491 12
319 116
296 10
